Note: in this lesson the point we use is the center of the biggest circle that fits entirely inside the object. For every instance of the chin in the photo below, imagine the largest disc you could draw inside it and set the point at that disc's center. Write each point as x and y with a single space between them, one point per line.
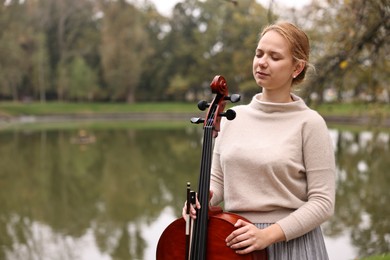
260 82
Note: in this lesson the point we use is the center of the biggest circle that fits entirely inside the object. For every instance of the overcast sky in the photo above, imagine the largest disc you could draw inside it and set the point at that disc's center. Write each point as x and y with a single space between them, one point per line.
165 6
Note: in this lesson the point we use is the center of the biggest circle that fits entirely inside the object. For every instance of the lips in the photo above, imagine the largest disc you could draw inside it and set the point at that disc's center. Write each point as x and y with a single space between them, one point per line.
262 74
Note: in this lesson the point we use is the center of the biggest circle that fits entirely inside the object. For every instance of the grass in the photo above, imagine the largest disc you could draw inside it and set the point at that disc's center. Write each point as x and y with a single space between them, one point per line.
94 125
14 109
52 108
354 109
378 257
9 109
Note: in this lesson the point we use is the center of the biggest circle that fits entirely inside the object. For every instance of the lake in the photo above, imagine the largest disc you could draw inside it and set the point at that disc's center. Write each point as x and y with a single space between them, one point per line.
109 192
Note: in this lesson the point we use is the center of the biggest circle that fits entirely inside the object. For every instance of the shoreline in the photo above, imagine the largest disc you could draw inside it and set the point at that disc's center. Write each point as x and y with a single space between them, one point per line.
169 116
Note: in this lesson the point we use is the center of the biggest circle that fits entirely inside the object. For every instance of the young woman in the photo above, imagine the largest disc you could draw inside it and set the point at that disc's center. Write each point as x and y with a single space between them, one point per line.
274 163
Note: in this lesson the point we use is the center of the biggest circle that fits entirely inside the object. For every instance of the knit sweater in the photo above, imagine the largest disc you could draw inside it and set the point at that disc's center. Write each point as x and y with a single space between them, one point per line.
274 163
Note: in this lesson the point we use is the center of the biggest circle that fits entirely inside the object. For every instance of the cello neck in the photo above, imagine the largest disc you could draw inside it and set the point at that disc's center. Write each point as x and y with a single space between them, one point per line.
199 241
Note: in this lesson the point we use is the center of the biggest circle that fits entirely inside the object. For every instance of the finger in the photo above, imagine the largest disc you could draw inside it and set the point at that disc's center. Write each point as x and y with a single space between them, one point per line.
234 236
184 211
241 223
193 210
245 250
238 242
241 244
194 207
197 204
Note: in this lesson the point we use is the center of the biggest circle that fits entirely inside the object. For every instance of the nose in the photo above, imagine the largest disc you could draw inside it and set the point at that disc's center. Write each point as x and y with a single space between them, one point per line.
262 61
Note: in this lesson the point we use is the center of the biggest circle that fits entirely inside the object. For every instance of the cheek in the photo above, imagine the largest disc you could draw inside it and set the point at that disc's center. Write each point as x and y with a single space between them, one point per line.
284 68
254 66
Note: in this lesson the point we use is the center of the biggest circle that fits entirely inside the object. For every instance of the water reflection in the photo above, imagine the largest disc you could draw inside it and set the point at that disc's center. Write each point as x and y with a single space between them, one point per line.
111 198
362 197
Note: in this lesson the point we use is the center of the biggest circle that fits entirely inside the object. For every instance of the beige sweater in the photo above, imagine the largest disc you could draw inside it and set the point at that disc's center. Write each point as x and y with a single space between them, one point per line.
275 163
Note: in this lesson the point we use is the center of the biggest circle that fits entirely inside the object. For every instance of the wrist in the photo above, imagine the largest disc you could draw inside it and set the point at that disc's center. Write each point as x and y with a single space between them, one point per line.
274 234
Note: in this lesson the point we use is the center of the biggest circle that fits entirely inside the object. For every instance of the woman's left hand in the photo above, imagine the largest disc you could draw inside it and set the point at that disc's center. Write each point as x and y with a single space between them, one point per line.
248 238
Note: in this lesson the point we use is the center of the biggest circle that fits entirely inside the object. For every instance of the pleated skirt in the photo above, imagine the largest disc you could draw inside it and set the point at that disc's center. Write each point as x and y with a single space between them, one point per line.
307 247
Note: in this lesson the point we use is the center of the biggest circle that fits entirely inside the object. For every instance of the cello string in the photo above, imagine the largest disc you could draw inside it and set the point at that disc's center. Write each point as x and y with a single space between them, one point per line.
197 252
199 247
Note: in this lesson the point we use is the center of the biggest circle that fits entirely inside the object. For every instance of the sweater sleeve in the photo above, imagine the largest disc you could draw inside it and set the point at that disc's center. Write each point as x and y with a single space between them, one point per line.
319 161
217 175
216 184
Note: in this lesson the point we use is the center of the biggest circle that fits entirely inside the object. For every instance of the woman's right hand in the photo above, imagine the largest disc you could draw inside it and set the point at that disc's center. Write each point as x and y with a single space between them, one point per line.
193 207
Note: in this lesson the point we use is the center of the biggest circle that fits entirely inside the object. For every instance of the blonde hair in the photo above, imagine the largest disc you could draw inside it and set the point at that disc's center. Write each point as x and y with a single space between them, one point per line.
298 42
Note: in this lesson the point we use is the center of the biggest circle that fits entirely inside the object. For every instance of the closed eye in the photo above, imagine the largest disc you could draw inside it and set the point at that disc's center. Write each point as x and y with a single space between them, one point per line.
259 54
273 55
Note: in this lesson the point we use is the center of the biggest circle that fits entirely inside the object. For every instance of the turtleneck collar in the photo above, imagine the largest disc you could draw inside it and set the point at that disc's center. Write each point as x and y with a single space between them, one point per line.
268 107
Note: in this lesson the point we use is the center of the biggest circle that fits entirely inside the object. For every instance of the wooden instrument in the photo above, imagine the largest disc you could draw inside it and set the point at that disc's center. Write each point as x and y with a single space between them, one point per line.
204 238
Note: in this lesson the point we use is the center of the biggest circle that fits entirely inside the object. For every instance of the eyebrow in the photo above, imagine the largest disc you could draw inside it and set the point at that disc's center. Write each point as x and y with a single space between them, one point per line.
271 52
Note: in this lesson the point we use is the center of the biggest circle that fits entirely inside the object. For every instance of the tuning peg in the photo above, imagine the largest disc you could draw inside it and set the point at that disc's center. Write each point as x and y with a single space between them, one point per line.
229 114
202 105
197 120
233 98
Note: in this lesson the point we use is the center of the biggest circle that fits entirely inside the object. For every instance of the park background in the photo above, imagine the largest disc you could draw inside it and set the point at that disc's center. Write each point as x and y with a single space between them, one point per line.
120 51
95 101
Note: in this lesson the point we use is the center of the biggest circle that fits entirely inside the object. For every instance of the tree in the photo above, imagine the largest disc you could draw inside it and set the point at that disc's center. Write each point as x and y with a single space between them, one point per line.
137 54
12 63
40 67
206 38
345 44
82 80
71 32
124 49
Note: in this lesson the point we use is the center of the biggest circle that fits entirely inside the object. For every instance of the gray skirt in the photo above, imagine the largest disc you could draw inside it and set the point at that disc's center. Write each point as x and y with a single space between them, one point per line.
309 246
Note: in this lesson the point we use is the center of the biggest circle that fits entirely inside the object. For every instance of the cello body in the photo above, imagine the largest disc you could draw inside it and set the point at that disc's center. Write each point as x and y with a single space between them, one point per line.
172 241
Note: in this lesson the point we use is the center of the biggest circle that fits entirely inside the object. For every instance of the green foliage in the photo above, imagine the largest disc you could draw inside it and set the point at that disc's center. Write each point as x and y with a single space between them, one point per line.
82 80
350 50
132 53
12 61
178 87
124 49
40 70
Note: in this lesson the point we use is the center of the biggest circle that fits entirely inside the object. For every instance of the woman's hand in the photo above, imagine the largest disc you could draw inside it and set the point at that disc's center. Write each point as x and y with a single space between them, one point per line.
248 238
193 208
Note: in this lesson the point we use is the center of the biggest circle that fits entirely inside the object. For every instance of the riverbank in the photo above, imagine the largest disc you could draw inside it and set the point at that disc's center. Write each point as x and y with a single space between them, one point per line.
170 116
376 115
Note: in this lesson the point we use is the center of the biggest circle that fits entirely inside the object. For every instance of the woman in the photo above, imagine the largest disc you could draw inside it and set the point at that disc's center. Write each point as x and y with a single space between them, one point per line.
274 164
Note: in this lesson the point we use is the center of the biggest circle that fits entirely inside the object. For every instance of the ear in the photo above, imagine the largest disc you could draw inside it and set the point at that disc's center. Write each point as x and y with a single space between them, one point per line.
299 66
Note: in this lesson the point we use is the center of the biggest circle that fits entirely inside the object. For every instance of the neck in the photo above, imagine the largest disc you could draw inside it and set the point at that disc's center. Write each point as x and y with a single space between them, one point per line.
269 96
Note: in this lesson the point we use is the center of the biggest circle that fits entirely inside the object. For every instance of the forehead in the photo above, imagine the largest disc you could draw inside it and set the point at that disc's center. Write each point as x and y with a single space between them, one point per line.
273 41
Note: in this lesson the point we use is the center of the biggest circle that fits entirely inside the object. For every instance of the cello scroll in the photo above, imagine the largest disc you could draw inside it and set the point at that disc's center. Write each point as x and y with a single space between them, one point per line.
216 107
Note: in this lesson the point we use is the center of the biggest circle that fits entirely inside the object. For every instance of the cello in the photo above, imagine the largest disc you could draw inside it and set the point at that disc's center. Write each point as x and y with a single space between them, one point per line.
209 230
